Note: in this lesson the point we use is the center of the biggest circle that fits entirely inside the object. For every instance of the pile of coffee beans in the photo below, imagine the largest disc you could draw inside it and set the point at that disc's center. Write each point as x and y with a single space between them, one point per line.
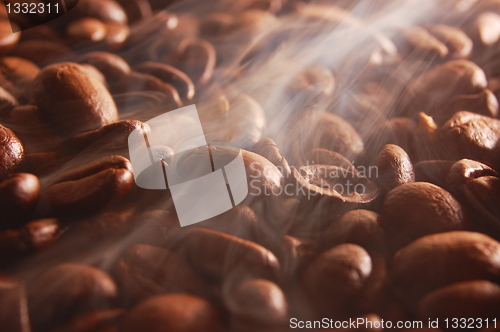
374 188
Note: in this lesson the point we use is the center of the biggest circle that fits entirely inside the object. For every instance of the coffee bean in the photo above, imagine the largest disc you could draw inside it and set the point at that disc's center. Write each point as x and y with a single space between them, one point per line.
218 255
8 39
312 82
110 65
418 42
19 194
257 304
420 208
174 312
466 170
68 289
441 259
394 168
168 74
145 271
458 43
86 30
478 299
267 148
327 157
335 279
90 187
20 73
73 100
136 10
11 151
486 28
107 11
43 52
361 227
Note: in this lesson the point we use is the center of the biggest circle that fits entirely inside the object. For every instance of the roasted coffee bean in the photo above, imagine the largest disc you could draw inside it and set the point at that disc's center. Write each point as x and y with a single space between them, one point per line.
484 103
43 52
327 157
19 194
335 279
466 170
361 227
7 101
96 74
486 28
145 82
116 36
458 43
68 289
312 82
73 100
90 187
420 208
168 74
86 30
394 168
8 39
473 136
417 42
456 77
13 306
19 74
267 148
33 130
441 259
257 305
145 271
110 65
196 58
477 298
433 171
11 151
174 312
136 10
111 136
94 321
107 11
330 132
217 255
34 237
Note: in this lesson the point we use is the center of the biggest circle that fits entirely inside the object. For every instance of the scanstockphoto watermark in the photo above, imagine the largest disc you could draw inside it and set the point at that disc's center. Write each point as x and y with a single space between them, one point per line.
345 181
356 323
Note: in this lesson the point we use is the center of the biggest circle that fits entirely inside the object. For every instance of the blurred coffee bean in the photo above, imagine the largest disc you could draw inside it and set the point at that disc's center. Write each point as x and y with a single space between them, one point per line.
90 187
312 82
86 30
327 157
8 39
13 307
110 136
420 208
361 227
257 304
481 195
73 100
11 151
110 65
417 42
116 36
145 271
441 259
43 52
168 74
217 255
486 28
42 32
196 58
34 237
433 171
174 312
394 168
20 73
19 194
267 148
330 132
456 77
458 43
484 103
94 321
478 299
136 10
472 136
336 278
66 290
106 11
